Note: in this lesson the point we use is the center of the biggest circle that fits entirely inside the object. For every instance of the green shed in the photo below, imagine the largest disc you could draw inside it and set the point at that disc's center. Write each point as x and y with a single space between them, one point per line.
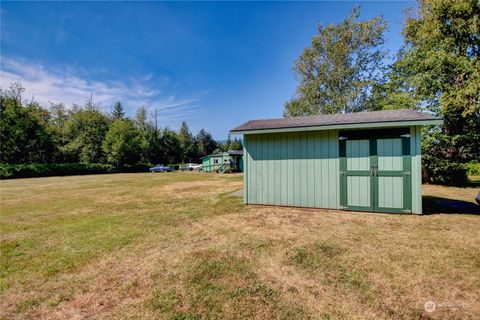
365 161
219 160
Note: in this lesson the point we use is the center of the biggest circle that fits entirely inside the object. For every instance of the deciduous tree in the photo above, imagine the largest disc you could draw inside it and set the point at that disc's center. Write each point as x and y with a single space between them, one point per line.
440 60
23 129
122 143
171 146
86 130
340 67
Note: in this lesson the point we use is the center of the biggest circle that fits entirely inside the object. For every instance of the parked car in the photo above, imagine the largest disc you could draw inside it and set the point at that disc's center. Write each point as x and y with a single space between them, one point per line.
160 168
194 166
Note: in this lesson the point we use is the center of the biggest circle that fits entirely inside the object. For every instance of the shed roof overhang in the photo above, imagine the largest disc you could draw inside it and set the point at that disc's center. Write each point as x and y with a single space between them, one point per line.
359 120
343 127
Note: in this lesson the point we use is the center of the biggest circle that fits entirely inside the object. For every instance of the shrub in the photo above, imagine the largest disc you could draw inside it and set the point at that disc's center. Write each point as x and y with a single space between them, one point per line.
473 168
446 172
10 171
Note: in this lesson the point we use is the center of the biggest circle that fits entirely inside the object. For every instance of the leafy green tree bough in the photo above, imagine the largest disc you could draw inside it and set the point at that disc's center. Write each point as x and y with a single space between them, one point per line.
122 143
339 69
440 59
437 70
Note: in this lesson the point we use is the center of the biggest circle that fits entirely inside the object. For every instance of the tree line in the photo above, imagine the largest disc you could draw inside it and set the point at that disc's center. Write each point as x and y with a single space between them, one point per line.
437 70
344 69
31 133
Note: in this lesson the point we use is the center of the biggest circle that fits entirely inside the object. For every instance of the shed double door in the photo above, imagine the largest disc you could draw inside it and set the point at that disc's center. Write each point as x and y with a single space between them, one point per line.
375 171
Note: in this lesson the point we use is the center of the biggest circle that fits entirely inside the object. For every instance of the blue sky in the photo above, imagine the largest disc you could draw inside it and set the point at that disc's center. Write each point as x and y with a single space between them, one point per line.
213 64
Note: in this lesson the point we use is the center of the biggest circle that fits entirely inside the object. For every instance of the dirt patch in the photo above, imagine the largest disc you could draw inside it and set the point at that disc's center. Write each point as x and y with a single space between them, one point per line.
182 189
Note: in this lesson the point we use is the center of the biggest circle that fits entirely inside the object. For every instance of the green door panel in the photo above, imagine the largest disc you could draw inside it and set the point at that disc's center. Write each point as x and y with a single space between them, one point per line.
391 175
389 152
355 172
358 155
375 170
390 192
358 191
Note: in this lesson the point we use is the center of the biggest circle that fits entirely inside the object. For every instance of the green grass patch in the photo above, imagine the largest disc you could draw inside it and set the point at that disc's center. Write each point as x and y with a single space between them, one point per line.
331 265
315 256
219 285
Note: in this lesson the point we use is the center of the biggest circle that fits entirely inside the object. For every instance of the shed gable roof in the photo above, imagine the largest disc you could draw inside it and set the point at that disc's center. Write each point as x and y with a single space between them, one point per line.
393 116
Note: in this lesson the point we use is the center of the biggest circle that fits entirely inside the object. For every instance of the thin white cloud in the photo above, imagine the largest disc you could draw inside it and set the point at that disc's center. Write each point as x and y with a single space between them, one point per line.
72 86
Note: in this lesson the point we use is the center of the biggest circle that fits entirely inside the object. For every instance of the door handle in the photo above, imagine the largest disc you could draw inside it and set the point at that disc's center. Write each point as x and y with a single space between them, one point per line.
374 170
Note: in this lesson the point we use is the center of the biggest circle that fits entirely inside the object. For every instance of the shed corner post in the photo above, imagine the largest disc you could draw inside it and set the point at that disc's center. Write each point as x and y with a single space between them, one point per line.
416 154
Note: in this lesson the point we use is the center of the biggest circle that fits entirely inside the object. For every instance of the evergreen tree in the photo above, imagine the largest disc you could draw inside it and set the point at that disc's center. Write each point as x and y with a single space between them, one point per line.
227 143
187 144
205 143
236 144
118 111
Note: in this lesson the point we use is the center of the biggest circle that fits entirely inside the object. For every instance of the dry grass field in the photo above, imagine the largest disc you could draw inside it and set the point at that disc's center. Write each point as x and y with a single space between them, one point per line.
179 246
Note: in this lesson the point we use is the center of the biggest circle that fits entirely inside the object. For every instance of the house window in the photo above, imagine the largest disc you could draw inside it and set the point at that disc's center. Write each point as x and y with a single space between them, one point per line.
225 160
215 160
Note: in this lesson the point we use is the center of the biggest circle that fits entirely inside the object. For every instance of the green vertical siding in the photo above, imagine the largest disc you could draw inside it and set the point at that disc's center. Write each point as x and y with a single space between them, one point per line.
209 164
246 181
293 169
303 169
208 161
415 151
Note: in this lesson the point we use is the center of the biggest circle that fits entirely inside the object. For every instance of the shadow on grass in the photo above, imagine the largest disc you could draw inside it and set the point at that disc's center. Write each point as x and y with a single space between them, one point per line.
436 205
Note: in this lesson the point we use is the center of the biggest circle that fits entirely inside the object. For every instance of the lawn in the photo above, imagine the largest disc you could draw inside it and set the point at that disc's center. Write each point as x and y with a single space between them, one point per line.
179 246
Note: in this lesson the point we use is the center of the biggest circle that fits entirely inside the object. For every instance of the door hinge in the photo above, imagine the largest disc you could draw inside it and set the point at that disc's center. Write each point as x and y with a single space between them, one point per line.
342 172
407 173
